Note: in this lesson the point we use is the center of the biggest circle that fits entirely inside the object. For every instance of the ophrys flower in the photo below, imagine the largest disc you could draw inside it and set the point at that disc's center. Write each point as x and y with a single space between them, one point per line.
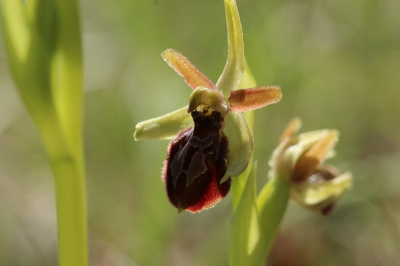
300 159
212 141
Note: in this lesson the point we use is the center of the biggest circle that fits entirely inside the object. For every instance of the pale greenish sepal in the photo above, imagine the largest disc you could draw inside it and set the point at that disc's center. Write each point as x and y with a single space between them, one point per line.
164 127
271 204
246 244
235 63
241 141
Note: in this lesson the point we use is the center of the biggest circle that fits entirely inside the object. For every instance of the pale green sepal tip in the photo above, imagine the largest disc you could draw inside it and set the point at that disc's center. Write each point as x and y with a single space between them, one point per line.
164 127
241 141
246 244
235 63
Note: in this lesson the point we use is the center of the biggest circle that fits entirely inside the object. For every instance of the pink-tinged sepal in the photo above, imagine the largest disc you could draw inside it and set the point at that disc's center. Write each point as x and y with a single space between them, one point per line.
254 98
193 77
196 164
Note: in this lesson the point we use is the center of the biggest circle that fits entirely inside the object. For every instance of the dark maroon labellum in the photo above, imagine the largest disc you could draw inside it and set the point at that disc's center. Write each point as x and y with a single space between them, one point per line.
196 164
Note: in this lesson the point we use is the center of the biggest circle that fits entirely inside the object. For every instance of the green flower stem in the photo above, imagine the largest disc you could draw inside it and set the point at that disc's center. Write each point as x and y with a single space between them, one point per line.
246 244
71 212
43 43
271 205
238 186
255 222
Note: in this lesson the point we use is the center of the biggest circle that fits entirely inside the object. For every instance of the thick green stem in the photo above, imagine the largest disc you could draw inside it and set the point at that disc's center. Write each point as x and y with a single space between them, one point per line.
71 211
43 42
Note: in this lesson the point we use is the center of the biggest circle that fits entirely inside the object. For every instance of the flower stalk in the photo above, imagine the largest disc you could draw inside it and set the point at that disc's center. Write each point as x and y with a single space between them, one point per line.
256 218
43 44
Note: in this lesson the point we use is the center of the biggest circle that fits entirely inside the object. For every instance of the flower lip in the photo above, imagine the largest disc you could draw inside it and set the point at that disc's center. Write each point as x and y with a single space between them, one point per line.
196 163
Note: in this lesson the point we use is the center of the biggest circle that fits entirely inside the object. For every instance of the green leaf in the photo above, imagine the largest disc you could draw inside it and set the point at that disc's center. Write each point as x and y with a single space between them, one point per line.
271 204
246 246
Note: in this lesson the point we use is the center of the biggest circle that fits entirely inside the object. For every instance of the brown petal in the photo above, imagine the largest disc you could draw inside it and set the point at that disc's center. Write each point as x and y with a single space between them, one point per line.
186 69
254 98
307 163
291 129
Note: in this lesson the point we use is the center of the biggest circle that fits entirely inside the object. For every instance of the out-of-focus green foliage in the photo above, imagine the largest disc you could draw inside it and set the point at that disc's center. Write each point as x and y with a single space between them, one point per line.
43 46
337 63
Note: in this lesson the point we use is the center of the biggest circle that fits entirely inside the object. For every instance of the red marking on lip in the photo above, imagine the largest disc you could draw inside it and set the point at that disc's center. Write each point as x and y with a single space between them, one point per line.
214 194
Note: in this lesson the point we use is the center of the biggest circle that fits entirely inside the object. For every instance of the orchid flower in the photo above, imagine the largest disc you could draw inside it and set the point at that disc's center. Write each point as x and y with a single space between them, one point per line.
212 141
300 159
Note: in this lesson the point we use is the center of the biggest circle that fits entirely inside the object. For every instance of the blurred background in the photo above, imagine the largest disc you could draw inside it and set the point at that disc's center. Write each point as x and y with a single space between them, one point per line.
338 63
